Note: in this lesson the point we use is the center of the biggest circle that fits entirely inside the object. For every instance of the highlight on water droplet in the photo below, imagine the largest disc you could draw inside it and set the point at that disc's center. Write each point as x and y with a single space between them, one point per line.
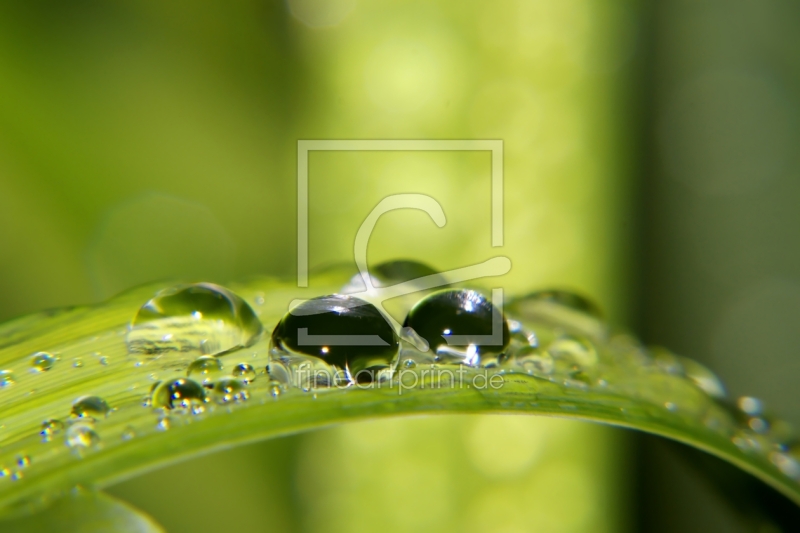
201 317
42 361
205 369
245 372
181 393
90 407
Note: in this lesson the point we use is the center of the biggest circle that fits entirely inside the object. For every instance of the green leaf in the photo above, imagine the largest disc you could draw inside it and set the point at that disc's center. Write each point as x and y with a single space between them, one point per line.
593 375
83 511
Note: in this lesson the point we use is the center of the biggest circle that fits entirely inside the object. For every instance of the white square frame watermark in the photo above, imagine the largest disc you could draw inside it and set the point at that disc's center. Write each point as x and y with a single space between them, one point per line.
304 146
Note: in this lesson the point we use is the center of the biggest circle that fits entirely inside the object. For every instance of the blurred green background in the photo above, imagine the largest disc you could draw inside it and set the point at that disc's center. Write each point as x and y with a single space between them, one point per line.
648 164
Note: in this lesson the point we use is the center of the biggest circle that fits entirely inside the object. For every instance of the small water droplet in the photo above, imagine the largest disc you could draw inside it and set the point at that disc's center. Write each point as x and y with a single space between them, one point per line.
6 378
51 427
245 372
42 361
16 475
671 406
202 317
535 361
787 464
703 378
23 461
164 423
128 433
81 436
103 360
90 407
77 362
205 368
178 393
750 406
563 309
229 390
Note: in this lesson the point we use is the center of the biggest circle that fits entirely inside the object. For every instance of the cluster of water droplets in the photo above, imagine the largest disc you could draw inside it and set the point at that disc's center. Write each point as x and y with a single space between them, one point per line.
195 349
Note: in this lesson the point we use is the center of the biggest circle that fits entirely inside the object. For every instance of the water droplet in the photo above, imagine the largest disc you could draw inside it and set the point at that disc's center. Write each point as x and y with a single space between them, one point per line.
51 427
77 362
179 393
535 361
340 330
81 436
23 461
561 298
205 368
90 407
561 308
42 361
703 378
103 360
245 372
229 390
459 323
671 406
202 317
164 423
750 406
6 378
128 433
787 464
394 272
16 475
573 350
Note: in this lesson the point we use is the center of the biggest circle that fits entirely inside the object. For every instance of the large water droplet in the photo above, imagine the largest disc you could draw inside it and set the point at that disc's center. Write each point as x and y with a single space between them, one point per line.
459 325
42 361
205 369
90 407
81 435
340 330
179 393
202 317
574 350
563 309
394 272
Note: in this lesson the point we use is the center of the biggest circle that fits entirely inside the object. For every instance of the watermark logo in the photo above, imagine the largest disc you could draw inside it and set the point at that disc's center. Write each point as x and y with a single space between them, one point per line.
496 266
